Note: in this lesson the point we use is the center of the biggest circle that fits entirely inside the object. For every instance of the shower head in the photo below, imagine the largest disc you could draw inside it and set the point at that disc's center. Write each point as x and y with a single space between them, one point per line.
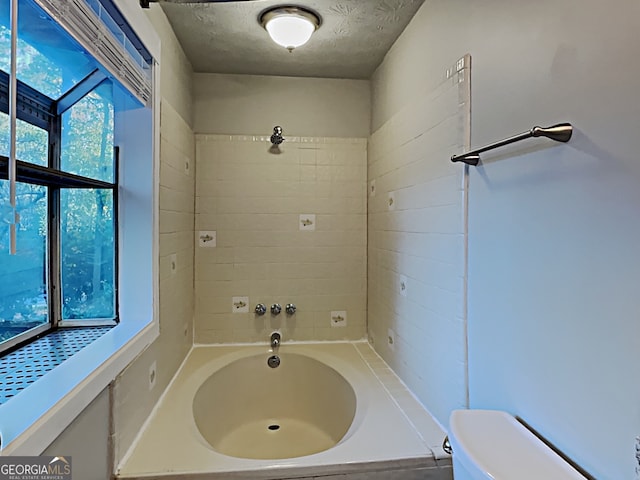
277 137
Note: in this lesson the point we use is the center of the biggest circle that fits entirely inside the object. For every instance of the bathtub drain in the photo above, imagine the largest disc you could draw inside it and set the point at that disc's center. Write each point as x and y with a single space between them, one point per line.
273 427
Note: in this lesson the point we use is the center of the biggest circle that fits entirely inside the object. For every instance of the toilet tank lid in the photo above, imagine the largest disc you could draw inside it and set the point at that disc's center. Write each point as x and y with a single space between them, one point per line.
492 444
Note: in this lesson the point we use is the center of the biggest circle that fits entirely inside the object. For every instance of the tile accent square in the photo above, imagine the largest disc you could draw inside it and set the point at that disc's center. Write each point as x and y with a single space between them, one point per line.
391 201
403 285
339 318
240 304
173 263
307 222
207 238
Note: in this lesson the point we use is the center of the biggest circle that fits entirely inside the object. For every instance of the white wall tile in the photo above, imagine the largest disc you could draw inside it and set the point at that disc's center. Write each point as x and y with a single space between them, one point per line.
254 199
132 400
420 239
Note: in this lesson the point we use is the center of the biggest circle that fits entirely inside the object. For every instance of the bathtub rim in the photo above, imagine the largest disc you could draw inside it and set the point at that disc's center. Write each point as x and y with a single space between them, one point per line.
427 458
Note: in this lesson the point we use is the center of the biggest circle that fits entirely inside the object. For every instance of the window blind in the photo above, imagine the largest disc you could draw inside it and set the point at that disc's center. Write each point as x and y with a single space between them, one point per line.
93 28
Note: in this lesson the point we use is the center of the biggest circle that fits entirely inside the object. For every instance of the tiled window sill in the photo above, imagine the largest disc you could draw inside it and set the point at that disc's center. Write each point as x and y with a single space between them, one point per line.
24 366
35 415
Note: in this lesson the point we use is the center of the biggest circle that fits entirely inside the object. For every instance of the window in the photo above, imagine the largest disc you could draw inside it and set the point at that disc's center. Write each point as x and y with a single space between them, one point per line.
70 111
121 69
87 219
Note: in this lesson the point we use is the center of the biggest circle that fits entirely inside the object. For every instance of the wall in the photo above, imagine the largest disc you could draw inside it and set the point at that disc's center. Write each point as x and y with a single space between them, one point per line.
417 243
86 441
133 398
291 228
249 104
553 230
253 198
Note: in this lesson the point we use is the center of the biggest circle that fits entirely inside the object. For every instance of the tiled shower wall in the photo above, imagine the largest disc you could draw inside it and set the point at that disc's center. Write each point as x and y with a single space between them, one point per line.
132 398
290 227
417 243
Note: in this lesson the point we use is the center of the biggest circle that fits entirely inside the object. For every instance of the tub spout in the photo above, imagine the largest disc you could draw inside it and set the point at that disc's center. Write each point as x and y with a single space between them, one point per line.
275 340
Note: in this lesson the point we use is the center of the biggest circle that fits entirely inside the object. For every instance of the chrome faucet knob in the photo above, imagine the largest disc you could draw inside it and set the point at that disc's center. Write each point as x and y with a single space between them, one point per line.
276 309
290 309
260 309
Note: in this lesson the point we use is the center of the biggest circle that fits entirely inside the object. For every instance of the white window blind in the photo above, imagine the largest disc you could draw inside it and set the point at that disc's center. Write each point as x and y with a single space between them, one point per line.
88 26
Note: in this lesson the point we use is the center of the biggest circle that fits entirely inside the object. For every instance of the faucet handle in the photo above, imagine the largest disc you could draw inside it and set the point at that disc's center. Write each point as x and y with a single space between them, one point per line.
290 309
276 309
260 309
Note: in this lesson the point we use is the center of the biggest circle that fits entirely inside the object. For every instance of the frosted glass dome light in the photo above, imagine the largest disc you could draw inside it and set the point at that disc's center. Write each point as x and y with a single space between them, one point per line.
290 32
290 27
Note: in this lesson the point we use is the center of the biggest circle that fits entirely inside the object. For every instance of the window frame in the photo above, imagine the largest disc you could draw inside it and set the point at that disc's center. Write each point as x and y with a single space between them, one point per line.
38 109
33 419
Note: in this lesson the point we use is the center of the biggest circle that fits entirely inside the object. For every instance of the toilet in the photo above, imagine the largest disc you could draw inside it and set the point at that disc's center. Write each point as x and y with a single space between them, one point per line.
493 445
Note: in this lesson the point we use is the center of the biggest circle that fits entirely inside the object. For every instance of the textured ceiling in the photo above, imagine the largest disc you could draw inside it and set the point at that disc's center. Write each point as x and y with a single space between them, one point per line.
226 37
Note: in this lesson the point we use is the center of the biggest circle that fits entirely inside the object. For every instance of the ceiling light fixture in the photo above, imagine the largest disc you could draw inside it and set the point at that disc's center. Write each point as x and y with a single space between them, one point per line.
290 26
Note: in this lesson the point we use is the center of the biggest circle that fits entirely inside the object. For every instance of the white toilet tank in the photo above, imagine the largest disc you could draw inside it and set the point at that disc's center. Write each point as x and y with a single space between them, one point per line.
493 445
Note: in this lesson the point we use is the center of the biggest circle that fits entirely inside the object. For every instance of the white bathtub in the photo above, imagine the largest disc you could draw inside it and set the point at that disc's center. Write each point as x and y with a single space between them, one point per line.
227 414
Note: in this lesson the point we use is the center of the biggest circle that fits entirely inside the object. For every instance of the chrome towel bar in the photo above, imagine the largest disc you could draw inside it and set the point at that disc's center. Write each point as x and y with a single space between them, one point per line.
560 133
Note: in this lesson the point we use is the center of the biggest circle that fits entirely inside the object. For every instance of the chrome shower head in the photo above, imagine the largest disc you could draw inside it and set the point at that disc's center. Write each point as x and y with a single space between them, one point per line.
277 137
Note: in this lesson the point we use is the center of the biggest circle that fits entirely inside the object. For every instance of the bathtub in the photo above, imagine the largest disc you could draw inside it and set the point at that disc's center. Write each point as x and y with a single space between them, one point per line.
327 409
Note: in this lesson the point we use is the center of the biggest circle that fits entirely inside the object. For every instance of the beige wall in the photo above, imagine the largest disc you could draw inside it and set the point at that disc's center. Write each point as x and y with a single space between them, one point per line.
553 228
411 66
176 76
417 243
133 399
87 441
255 199
248 104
